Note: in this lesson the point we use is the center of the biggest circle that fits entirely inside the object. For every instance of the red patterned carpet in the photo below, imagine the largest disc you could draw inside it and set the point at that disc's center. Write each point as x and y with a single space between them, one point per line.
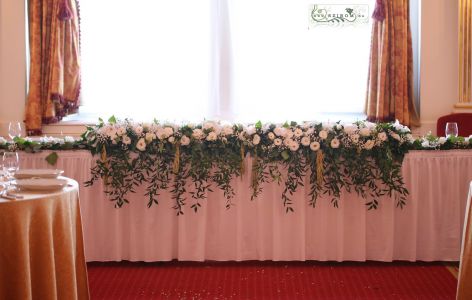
270 280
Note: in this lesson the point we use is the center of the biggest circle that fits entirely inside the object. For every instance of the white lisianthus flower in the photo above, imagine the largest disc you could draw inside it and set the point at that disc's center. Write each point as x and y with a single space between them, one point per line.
315 146
69 139
369 144
138 130
212 136
298 132
184 140
425 144
365 131
277 142
309 131
271 136
350 129
382 136
228 130
126 140
256 139
197 133
121 130
466 140
279 131
370 125
442 140
3 141
410 138
171 139
305 141
323 134
335 143
150 137
141 144
294 145
288 134
355 138
339 126
250 130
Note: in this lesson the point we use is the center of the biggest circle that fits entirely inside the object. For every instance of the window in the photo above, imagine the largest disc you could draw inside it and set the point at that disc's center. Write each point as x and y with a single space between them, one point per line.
238 60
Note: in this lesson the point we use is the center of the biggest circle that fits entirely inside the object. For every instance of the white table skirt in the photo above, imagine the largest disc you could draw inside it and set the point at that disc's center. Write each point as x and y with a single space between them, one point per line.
429 227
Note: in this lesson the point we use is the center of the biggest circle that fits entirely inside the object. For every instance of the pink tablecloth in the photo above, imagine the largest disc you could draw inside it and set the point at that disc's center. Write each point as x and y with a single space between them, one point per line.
428 228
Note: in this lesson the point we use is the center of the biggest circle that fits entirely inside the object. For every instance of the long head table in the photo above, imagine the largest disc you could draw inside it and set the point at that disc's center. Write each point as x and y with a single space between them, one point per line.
428 228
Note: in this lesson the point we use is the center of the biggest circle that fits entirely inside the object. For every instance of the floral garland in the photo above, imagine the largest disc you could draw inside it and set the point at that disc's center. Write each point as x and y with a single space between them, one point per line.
362 157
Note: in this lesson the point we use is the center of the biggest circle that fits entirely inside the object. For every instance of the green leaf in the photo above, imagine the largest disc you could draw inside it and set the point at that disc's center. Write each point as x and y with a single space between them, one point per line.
112 120
52 158
258 125
285 155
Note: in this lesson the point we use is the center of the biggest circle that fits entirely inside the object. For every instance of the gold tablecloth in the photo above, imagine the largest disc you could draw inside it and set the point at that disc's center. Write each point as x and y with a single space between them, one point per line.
41 246
464 288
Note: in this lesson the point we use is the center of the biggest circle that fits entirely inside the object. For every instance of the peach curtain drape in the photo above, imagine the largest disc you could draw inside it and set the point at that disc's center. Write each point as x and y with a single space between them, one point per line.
54 81
390 81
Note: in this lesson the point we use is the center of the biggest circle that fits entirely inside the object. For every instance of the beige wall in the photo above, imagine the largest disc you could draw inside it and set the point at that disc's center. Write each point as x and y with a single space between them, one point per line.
438 65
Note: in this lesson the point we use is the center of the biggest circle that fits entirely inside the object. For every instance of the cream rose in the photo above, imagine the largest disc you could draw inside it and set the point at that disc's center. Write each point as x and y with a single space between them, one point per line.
369 144
305 141
271 136
141 144
382 136
315 146
184 140
256 139
277 142
126 140
323 134
294 146
365 131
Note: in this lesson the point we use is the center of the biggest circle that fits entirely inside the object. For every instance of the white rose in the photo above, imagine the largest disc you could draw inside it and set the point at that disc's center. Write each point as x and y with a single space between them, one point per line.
227 130
271 136
425 144
3 141
365 131
294 146
323 134
466 140
315 146
305 141
212 136
184 140
370 125
256 139
298 132
369 144
171 139
197 133
410 138
279 131
339 126
126 140
382 136
150 137
335 143
355 138
442 140
138 130
287 142
277 142
141 144
121 130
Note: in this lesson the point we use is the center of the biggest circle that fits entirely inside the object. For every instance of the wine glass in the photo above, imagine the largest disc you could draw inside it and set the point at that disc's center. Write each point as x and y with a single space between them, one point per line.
451 129
14 129
10 164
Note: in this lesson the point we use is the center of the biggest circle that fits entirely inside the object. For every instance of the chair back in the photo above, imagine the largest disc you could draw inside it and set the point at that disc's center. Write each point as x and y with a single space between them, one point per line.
463 120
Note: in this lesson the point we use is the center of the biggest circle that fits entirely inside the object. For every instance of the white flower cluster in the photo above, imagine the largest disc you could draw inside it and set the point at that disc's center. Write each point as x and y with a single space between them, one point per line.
361 135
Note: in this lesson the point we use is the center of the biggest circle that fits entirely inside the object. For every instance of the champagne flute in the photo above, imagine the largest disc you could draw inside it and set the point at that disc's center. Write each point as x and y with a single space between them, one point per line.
14 129
451 129
10 164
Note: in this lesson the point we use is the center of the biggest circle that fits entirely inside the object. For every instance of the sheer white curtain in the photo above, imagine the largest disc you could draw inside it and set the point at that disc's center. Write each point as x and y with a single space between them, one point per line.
239 60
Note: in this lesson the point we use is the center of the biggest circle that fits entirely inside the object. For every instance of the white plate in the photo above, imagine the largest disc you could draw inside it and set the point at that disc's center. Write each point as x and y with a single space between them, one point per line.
41 184
41 173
